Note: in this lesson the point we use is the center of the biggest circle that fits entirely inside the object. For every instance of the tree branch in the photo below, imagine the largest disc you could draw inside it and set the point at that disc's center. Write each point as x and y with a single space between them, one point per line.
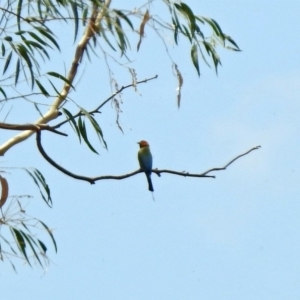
96 110
95 18
56 165
13 13
158 172
232 161
204 174
32 127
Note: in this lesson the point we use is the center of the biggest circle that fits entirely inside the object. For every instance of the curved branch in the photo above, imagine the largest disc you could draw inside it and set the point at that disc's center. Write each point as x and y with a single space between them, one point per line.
56 165
158 172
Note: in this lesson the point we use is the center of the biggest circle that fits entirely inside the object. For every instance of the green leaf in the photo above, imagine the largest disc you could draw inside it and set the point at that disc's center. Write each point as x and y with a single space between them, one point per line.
208 47
3 93
199 19
215 26
176 34
179 8
76 19
38 179
24 225
84 16
186 33
189 13
72 122
211 51
57 92
124 17
199 32
50 233
54 74
218 28
106 39
20 32
176 20
216 60
109 23
19 8
7 62
229 39
20 242
36 45
43 90
48 34
40 9
232 48
24 53
89 46
17 71
95 125
82 129
52 6
177 26
43 246
186 11
3 49
42 180
194 55
36 37
29 240
121 35
8 38
98 130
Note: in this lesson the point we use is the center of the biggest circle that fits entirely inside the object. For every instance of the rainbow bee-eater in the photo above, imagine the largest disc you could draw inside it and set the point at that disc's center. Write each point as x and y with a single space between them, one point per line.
145 160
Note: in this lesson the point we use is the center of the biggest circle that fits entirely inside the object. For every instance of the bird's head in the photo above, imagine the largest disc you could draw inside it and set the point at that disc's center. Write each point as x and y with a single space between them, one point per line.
143 144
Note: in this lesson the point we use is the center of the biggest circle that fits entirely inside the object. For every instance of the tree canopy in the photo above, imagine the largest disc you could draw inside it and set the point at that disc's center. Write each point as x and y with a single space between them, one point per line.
34 34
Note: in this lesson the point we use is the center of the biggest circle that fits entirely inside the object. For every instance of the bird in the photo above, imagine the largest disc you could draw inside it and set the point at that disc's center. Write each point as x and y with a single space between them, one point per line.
145 160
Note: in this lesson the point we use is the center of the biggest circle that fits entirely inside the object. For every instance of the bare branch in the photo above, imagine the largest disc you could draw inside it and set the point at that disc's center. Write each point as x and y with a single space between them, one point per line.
232 161
96 110
158 172
183 173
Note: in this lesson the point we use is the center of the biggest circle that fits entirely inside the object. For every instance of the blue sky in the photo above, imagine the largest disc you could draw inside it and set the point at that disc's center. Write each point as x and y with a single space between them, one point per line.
233 237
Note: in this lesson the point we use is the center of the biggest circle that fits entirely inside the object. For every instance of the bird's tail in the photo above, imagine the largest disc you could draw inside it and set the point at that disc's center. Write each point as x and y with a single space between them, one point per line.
149 182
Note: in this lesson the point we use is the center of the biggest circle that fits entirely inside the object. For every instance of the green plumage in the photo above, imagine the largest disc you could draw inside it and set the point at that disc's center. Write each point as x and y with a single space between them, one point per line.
145 160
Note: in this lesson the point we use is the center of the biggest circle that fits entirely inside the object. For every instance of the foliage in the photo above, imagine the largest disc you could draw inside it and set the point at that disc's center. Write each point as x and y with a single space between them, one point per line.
28 42
22 227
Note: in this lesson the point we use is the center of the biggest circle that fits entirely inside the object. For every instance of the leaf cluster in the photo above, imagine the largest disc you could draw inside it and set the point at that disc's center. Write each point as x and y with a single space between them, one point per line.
191 29
23 228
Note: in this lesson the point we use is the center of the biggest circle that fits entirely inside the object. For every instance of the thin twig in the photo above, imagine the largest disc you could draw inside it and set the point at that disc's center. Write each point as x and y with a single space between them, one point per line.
96 110
13 13
185 174
232 161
